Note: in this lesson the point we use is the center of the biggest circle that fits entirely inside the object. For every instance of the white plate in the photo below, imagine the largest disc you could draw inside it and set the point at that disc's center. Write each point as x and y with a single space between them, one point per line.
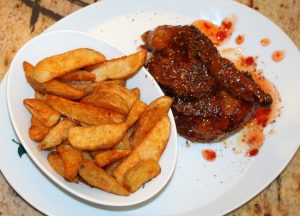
197 187
57 42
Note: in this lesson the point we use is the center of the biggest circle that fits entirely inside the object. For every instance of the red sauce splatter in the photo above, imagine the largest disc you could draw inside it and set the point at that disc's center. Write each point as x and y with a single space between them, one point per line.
252 152
278 55
240 39
247 61
253 136
265 41
209 155
262 115
217 34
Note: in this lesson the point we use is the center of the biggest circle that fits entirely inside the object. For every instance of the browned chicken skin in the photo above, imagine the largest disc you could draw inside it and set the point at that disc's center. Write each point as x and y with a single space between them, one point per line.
211 97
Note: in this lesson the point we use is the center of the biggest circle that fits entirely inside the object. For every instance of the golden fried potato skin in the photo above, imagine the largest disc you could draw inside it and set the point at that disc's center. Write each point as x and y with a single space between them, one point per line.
56 162
54 87
142 172
42 111
83 112
107 100
121 68
151 147
72 158
78 75
97 177
61 64
107 157
156 110
37 130
57 134
97 137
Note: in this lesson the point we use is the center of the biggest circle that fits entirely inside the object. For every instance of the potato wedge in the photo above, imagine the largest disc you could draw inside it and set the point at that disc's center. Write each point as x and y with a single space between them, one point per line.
78 75
58 65
42 111
71 160
107 157
154 113
37 130
97 137
135 112
150 148
142 172
28 69
57 134
89 88
56 162
83 112
129 96
97 177
54 87
64 90
107 100
121 68
136 91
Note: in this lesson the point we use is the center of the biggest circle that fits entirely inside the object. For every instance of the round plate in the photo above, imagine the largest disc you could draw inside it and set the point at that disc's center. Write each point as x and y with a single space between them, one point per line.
200 187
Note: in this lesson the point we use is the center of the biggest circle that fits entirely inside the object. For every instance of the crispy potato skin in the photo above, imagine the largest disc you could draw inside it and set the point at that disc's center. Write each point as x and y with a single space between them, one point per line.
71 160
56 162
61 64
42 111
78 75
135 112
89 88
142 172
37 130
153 114
109 156
107 100
121 68
97 137
129 96
83 112
151 147
97 177
54 87
57 134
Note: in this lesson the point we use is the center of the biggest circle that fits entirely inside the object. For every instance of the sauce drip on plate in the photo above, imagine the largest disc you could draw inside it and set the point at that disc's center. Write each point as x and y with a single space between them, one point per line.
217 34
240 39
209 155
278 55
252 135
265 41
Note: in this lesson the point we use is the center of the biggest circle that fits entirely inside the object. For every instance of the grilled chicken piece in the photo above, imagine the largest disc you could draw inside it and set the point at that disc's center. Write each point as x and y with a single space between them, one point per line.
188 41
211 97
